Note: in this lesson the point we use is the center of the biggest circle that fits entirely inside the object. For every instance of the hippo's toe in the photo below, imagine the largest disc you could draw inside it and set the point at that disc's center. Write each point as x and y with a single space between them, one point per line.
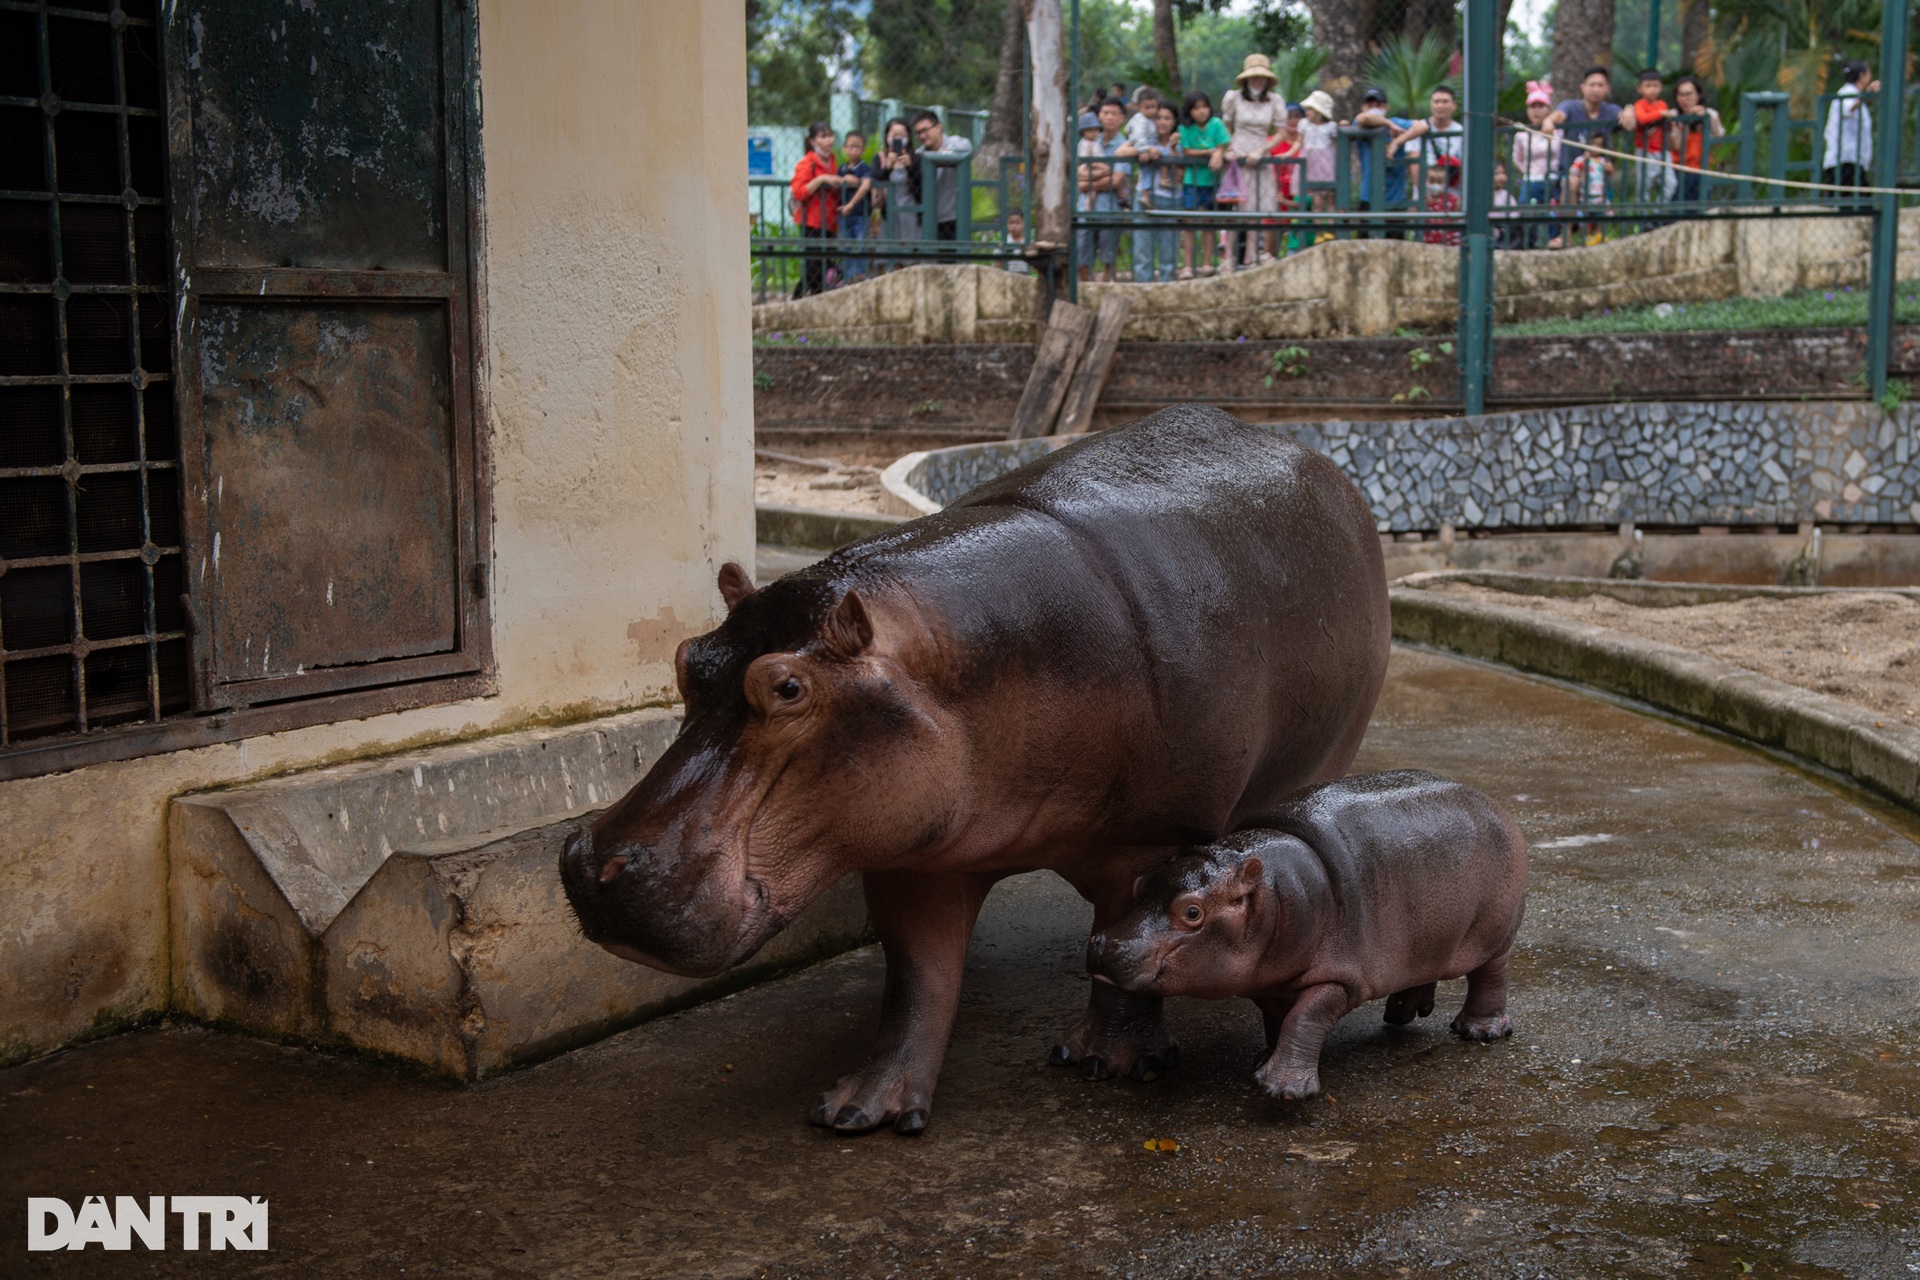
1493 1026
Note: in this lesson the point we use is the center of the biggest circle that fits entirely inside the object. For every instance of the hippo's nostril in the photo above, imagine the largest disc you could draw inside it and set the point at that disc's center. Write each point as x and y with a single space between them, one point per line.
612 867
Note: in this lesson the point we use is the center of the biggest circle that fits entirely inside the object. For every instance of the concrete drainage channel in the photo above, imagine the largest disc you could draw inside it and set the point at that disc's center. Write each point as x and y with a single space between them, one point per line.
1878 753
411 906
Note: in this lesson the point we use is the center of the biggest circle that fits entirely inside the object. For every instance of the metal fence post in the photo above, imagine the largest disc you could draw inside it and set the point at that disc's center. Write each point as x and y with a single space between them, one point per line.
1476 246
1073 152
1886 173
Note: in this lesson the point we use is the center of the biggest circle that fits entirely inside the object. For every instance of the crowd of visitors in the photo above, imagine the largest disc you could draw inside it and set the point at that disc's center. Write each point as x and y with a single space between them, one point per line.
1259 154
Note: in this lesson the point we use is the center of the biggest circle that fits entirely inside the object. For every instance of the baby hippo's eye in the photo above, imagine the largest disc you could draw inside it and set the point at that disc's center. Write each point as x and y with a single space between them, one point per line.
787 690
1193 914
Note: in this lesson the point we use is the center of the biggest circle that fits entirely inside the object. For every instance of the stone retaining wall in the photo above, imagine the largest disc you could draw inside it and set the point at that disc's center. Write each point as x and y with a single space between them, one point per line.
1362 287
1683 464
936 395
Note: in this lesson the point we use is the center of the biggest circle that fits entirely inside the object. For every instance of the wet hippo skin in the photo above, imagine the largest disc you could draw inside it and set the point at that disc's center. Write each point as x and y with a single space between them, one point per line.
1133 644
1377 885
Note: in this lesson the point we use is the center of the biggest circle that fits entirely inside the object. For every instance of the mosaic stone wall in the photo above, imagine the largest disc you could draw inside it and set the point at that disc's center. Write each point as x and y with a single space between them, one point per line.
1695 463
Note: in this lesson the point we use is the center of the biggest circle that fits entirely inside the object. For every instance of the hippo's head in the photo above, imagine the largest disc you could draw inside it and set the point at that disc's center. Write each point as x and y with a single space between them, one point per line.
808 751
1199 926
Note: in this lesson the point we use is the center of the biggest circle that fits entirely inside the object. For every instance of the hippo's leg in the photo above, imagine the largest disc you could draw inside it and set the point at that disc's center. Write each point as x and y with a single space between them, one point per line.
1404 1006
1484 1015
924 922
1292 1072
1122 1033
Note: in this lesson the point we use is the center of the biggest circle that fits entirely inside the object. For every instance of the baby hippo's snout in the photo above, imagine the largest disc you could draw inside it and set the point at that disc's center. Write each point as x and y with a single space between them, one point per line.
1117 959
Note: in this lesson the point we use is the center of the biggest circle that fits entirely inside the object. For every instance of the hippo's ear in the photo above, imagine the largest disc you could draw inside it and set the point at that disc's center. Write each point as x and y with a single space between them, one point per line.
735 585
847 630
1252 871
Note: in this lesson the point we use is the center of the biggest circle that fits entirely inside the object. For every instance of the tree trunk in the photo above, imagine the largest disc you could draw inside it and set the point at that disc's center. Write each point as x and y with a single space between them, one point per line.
1696 23
1164 47
1500 34
1047 165
1340 27
1004 115
1582 38
1430 17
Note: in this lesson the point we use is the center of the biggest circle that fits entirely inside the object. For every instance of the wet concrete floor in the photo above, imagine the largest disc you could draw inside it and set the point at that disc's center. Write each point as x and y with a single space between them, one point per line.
1715 1072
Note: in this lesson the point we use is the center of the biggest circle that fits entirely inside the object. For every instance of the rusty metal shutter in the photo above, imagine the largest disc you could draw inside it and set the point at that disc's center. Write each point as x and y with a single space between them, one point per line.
321 158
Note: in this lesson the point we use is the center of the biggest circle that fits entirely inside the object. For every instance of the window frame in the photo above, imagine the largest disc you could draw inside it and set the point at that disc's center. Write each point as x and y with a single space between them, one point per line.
235 710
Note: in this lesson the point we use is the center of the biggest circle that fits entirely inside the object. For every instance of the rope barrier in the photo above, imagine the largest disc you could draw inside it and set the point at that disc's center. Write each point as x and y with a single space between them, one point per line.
1712 173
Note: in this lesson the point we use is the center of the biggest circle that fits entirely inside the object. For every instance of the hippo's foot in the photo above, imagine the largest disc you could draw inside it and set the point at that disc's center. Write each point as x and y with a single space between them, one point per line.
873 1098
1482 1027
1404 1006
1122 1034
1289 1083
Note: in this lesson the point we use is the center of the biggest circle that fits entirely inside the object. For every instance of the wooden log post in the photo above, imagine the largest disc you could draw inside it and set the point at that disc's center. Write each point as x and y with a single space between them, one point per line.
1090 376
1055 357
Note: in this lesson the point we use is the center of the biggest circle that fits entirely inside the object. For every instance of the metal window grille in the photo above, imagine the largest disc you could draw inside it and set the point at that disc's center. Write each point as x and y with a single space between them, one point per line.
92 614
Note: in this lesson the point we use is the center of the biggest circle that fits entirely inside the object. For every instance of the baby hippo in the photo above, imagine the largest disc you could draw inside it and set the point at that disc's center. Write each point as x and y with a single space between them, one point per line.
1376 885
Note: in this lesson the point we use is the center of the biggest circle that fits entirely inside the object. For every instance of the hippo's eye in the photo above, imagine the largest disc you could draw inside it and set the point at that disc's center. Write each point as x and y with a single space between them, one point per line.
787 690
1193 915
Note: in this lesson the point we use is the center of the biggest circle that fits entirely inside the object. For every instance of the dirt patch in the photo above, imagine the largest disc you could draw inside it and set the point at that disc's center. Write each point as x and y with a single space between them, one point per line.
1863 648
848 486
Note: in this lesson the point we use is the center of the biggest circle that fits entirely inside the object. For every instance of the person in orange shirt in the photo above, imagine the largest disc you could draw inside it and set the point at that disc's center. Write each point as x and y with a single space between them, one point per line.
1687 133
817 184
1651 174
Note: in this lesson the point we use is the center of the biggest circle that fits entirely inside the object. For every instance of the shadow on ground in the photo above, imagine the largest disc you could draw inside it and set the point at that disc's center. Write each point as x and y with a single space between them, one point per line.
1715 1067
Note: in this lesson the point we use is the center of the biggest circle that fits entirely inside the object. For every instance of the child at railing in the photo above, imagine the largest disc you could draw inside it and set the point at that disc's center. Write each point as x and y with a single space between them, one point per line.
1317 136
1652 178
1443 180
1536 162
1504 229
1156 253
1587 179
1285 154
816 190
1201 134
856 206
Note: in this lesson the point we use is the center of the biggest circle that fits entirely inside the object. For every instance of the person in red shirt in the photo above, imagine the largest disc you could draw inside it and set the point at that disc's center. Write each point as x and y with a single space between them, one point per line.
1443 196
817 184
1650 139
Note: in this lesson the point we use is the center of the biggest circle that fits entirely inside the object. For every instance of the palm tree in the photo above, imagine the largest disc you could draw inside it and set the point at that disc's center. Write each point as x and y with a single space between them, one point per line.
1410 72
1805 39
1297 69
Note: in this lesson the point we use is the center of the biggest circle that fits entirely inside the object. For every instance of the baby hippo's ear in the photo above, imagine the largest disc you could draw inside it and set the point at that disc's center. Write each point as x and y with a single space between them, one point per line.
735 585
1252 872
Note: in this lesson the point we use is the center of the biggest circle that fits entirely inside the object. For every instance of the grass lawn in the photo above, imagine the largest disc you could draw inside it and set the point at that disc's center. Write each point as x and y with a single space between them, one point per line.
1813 309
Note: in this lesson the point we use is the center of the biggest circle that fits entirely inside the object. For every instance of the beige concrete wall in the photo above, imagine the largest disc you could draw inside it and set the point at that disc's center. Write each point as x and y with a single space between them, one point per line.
1361 288
620 416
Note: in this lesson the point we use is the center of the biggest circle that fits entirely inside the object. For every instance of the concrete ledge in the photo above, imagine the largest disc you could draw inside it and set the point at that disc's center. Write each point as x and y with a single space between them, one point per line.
803 527
1882 755
411 906
1644 594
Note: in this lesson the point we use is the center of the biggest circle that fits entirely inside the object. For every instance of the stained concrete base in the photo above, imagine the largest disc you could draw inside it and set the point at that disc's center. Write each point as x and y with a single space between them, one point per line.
412 906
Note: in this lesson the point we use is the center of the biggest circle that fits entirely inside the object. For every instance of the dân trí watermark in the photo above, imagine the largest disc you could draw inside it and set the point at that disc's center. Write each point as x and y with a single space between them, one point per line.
232 1222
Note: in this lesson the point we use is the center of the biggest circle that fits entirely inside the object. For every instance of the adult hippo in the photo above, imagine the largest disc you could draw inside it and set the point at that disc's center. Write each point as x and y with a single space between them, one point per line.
1141 641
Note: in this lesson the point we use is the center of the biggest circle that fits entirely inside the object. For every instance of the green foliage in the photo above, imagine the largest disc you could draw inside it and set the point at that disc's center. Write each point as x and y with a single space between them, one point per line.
1288 362
1897 393
794 50
1298 70
1410 72
1212 47
1813 309
1278 25
944 51
762 381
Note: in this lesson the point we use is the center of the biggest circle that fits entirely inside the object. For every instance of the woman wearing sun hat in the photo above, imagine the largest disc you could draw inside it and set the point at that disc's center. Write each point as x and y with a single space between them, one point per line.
1253 114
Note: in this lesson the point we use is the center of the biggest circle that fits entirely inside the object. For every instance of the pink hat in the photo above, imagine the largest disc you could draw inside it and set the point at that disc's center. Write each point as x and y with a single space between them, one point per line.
1539 91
